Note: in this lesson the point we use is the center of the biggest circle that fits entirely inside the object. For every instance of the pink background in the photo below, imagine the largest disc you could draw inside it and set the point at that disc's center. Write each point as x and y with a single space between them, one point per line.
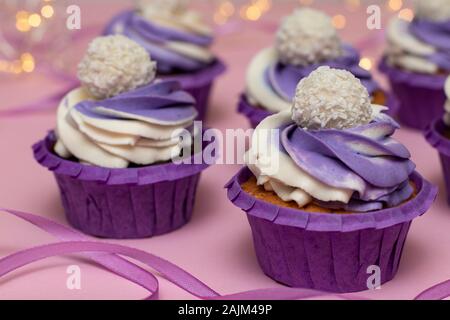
216 246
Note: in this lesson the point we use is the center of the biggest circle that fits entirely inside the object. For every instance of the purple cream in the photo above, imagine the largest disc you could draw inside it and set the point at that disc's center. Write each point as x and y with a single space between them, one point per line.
366 157
436 34
162 101
284 78
153 37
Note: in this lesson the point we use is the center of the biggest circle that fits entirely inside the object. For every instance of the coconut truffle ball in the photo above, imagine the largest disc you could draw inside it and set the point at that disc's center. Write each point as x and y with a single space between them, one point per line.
331 99
435 10
306 37
165 7
113 65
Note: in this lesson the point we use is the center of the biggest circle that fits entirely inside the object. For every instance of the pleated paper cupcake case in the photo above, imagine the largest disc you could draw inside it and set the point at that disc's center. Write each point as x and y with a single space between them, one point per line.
328 252
122 203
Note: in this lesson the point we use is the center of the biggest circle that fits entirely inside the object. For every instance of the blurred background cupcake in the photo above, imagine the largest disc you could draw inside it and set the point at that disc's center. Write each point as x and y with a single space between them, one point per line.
305 40
417 62
114 143
177 40
327 190
438 135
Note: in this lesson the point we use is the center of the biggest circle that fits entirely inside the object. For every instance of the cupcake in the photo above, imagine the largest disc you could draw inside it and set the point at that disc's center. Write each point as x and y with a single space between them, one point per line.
115 139
438 135
305 40
329 194
177 40
417 62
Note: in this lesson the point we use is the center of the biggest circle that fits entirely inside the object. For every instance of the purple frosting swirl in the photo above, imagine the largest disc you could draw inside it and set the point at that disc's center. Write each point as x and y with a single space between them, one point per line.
152 37
161 101
365 158
436 34
284 78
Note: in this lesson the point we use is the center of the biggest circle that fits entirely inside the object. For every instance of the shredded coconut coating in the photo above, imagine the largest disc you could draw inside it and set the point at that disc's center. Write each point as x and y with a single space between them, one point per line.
306 37
113 65
165 7
434 10
331 99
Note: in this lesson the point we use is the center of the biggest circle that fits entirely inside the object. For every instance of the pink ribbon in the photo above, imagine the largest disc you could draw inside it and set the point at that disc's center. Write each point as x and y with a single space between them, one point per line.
109 256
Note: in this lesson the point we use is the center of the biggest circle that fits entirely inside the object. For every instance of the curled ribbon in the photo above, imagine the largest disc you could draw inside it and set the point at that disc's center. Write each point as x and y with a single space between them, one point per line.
110 256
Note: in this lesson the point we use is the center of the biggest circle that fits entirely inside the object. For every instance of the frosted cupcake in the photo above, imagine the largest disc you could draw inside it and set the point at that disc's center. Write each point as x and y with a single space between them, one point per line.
438 135
328 192
305 40
177 40
114 141
417 62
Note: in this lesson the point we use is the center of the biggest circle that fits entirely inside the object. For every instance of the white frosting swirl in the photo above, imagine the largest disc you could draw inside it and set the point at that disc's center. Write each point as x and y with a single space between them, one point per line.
288 180
175 14
447 103
259 91
114 142
406 51
434 10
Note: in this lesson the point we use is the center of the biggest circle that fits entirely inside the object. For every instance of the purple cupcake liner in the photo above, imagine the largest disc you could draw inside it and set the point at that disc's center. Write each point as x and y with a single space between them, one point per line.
435 137
122 203
328 252
419 98
199 85
254 114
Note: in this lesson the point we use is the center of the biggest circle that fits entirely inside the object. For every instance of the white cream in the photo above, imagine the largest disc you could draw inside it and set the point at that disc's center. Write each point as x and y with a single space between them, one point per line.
406 51
112 143
179 17
258 89
447 103
288 180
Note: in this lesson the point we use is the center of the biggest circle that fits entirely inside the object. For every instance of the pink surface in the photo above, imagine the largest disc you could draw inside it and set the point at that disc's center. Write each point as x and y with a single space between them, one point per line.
216 246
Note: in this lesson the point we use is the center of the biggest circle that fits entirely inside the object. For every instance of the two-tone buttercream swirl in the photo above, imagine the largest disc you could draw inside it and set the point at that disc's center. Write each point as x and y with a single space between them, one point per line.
422 45
176 38
121 115
273 74
137 127
356 168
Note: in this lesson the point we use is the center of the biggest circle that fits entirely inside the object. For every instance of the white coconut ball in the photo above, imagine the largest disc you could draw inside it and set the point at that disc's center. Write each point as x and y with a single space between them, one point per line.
113 65
306 37
435 10
149 8
331 98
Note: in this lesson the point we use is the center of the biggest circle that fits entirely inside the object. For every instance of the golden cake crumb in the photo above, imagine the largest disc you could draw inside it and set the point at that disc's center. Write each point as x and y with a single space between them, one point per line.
259 192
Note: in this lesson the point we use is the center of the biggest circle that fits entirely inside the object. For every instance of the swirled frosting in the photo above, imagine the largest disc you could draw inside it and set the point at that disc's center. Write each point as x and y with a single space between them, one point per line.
271 84
420 46
138 127
358 169
333 148
177 42
447 103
